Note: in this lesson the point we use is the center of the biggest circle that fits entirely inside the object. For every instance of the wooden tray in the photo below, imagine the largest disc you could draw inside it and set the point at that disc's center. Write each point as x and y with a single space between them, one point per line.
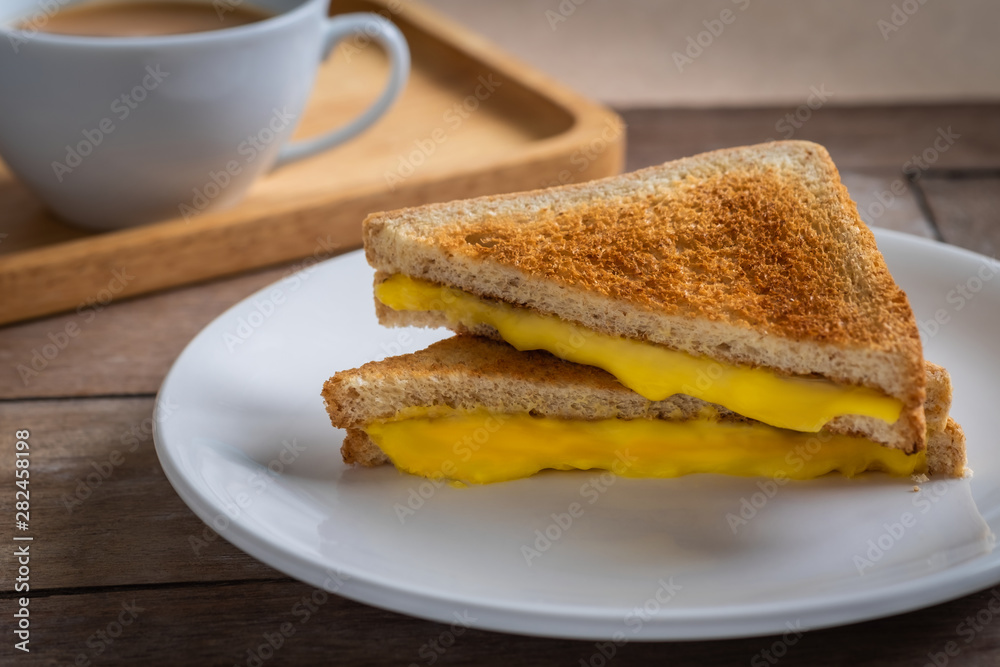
528 132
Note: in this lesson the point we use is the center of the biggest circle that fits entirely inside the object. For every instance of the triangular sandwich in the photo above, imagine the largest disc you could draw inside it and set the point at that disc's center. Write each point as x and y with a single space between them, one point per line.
743 278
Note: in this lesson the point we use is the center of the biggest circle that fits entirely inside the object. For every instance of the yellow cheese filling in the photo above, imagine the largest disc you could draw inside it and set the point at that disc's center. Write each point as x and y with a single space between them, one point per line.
654 371
481 448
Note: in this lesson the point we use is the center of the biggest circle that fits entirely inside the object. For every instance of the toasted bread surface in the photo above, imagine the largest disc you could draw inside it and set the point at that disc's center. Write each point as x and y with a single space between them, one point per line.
938 403
752 255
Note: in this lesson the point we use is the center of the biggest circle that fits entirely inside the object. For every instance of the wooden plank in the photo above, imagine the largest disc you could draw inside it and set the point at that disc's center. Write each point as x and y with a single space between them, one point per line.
227 624
966 210
886 198
856 137
126 347
102 512
526 130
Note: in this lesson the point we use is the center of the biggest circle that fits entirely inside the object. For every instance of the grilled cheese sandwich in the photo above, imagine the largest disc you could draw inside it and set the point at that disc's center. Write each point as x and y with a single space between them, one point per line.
713 314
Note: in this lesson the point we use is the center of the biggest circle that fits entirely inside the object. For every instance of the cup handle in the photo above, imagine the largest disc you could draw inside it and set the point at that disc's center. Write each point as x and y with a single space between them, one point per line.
391 39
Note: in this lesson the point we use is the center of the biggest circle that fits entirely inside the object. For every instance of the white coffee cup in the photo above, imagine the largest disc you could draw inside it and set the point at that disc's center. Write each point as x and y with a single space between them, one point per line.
112 132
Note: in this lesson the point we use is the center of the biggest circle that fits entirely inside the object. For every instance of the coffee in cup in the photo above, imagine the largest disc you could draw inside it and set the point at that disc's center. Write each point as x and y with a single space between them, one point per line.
134 18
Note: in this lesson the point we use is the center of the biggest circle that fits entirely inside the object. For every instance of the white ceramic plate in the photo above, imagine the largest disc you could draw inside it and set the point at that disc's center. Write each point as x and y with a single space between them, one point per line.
243 437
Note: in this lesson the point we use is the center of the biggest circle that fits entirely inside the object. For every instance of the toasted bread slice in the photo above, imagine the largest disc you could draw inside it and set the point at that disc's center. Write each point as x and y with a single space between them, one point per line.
752 256
470 373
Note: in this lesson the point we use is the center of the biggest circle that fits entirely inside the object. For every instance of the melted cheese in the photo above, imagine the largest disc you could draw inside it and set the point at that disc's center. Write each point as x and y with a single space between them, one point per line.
481 448
654 371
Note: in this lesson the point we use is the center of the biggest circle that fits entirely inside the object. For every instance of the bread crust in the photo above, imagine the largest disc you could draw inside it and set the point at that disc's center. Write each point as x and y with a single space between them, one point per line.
753 255
946 451
938 403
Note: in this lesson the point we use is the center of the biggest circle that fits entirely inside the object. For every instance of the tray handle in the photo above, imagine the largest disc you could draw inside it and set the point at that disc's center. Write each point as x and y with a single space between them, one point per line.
389 37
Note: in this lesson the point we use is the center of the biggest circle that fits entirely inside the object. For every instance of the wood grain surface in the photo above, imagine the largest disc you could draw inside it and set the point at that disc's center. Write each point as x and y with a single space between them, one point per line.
858 137
219 624
114 553
124 348
96 480
965 206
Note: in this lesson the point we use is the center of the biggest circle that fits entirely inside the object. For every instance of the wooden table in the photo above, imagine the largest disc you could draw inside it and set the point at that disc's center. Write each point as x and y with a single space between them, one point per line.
120 574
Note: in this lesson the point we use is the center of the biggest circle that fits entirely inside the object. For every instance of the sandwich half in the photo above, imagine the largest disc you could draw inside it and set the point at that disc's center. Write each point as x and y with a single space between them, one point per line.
475 410
741 278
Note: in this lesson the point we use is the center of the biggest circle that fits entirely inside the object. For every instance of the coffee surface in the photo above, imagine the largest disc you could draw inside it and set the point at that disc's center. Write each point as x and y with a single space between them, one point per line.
129 18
